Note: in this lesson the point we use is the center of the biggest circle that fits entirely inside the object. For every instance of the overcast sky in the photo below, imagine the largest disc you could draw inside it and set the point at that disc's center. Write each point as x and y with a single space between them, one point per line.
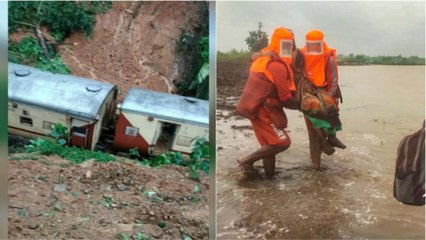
370 28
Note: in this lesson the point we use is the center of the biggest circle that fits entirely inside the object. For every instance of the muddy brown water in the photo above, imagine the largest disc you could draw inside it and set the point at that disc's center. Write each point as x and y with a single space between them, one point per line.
352 196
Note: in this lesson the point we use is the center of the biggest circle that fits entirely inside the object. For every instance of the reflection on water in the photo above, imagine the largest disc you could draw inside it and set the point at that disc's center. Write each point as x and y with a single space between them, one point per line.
352 195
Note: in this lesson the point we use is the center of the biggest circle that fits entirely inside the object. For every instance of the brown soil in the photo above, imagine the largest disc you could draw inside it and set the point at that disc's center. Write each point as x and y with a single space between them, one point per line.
231 77
132 45
53 198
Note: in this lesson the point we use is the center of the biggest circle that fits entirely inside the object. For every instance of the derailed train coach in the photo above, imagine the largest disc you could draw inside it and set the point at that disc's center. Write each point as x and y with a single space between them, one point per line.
37 100
153 122
149 121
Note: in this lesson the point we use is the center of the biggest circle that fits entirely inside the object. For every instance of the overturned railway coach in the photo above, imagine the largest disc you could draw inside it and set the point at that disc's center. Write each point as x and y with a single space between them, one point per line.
149 121
154 121
37 100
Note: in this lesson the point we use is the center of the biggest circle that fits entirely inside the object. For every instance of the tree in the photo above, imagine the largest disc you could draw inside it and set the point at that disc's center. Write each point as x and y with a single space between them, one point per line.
60 18
257 39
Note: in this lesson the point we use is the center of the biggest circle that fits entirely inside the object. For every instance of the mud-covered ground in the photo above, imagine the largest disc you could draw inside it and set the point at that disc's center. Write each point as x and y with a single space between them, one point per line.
52 198
351 197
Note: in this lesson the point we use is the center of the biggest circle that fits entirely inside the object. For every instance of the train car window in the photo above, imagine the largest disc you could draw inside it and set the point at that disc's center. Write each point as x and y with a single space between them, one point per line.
79 131
26 121
184 141
131 131
48 125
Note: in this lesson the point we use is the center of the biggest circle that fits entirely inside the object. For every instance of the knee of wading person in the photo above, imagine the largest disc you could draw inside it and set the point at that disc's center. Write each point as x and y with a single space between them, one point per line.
284 144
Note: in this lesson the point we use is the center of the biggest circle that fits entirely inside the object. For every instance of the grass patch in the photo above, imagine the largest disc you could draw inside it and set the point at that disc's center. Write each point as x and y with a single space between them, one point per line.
25 157
199 158
74 154
29 52
234 55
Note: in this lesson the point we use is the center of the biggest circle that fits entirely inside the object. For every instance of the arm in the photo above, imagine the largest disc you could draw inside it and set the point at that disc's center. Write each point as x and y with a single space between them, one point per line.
255 92
279 72
331 76
292 103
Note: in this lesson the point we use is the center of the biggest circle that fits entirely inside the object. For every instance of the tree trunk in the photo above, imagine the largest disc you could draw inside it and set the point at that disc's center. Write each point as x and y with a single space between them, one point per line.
41 40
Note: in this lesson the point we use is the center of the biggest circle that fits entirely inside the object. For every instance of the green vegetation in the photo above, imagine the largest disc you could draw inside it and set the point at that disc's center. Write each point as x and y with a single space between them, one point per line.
351 59
193 47
257 39
234 55
29 52
59 147
60 18
199 158
197 161
74 154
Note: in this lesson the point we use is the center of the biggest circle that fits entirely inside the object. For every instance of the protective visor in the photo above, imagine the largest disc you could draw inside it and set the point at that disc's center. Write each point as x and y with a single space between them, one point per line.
314 47
286 48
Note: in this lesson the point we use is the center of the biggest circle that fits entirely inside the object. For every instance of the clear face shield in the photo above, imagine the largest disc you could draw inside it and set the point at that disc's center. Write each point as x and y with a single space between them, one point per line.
286 48
314 47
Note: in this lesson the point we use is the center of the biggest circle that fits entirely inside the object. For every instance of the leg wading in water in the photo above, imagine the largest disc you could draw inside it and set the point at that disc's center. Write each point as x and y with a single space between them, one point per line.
268 89
314 145
267 153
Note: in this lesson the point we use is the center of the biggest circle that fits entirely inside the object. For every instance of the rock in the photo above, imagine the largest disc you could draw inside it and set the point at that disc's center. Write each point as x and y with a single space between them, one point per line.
122 187
107 195
89 163
125 227
86 191
103 222
60 187
88 174
150 229
58 207
34 226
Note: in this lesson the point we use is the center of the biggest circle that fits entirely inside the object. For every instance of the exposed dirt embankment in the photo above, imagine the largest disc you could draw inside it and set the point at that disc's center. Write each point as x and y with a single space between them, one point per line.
52 198
134 44
231 77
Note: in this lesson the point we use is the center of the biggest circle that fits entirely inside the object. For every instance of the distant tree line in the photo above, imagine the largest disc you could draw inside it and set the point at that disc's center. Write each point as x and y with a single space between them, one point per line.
351 59
358 59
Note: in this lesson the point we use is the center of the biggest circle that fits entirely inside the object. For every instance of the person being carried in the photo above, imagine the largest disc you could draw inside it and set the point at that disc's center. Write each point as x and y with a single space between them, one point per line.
321 71
268 89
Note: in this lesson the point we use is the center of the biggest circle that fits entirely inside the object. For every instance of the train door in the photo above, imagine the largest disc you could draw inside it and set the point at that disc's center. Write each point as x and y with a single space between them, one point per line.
79 134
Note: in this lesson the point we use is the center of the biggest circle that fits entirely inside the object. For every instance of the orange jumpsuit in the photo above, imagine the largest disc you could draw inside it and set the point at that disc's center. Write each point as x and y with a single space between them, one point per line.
261 102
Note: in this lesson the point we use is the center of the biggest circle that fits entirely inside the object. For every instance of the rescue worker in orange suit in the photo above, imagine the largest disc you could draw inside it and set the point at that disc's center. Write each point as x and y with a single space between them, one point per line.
268 89
321 70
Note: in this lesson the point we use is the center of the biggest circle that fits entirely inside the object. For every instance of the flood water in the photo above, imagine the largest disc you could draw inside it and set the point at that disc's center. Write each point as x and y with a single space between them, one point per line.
352 196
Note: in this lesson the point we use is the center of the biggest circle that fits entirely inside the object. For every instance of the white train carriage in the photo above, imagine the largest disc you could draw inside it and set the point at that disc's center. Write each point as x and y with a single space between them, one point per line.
146 116
38 100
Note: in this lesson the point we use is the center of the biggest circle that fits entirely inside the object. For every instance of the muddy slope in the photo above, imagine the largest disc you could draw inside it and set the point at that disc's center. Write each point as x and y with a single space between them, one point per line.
134 44
52 198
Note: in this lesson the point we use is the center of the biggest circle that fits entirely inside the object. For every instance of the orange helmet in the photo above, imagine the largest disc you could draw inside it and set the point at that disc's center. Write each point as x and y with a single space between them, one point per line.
282 42
315 44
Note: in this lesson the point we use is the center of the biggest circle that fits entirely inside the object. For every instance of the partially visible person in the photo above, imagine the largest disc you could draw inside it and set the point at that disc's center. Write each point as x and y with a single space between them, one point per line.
409 181
268 89
321 71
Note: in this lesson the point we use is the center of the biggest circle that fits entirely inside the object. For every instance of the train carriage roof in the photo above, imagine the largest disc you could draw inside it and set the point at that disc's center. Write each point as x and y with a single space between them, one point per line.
166 106
67 94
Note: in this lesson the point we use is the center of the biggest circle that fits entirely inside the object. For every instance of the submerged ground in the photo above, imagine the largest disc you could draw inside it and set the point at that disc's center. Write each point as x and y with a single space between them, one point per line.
352 196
